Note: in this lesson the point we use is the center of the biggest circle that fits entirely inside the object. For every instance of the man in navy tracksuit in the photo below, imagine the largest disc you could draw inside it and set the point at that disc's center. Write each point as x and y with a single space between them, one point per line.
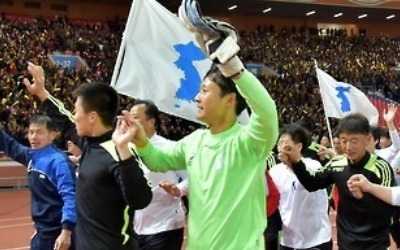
52 184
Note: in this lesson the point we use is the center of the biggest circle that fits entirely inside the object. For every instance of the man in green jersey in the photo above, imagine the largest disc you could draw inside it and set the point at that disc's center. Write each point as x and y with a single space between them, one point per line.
226 161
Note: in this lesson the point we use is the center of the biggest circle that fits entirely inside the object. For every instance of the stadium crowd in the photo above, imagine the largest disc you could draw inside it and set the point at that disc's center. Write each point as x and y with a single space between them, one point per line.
368 63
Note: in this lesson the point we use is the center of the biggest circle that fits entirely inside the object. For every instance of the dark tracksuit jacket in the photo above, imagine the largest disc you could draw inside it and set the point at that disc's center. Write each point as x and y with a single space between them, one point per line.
361 223
108 190
51 179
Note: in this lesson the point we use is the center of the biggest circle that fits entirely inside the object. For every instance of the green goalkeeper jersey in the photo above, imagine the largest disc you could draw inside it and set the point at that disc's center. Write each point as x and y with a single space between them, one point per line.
226 174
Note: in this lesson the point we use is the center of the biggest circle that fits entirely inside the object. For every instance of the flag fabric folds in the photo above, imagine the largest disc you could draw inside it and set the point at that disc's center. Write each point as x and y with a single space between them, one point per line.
159 60
340 99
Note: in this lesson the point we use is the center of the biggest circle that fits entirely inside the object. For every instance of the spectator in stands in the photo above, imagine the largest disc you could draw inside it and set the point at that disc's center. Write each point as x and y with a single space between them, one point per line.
51 181
365 62
160 225
111 183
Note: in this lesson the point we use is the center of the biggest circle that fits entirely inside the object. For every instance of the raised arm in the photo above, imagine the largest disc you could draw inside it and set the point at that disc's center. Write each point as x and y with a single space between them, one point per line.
262 130
14 149
221 47
170 157
128 173
52 106
389 116
312 181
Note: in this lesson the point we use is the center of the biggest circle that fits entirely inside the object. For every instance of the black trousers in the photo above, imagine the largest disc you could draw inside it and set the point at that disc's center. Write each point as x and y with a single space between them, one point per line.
324 246
168 240
395 228
271 233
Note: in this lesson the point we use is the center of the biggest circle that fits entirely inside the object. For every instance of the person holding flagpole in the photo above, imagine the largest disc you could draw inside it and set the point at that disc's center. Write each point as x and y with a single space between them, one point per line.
226 161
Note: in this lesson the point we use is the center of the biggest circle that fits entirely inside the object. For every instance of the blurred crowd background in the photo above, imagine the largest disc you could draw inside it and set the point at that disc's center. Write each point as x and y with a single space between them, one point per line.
368 63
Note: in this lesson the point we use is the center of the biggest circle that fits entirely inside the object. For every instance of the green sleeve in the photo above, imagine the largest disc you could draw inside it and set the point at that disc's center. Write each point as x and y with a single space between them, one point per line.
262 130
164 159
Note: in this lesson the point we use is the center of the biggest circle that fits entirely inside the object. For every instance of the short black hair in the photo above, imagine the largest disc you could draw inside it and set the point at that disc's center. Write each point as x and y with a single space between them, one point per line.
307 124
385 133
354 124
101 98
298 135
152 110
376 132
41 119
227 86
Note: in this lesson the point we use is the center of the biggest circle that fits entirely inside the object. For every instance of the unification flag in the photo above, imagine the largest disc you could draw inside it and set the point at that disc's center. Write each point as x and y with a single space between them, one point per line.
340 99
160 60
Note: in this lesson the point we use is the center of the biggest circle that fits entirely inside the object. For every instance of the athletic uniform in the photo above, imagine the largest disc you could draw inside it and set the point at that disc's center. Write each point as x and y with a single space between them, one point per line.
305 222
361 223
51 181
226 175
160 225
108 190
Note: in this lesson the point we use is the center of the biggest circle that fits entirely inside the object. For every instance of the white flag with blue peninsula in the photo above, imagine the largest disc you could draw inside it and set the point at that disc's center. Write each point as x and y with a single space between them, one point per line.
160 60
340 99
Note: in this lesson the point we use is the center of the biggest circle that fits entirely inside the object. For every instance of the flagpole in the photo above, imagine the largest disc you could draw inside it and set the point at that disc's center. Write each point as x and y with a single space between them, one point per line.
328 124
121 51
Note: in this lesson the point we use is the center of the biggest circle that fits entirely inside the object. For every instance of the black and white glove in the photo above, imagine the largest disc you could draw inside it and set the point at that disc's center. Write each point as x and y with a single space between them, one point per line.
217 39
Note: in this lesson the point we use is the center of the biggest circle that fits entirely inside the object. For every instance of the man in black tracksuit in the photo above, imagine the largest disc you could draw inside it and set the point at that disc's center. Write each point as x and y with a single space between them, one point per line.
108 189
361 223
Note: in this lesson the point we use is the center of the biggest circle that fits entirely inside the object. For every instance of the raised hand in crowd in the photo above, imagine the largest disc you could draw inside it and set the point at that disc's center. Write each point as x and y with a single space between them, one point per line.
37 86
389 115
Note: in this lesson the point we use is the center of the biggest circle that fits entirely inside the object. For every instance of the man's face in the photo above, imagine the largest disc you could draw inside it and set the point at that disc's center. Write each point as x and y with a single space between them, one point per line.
336 145
211 107
325 141
139 113
39 136
354 145
82 119
289 147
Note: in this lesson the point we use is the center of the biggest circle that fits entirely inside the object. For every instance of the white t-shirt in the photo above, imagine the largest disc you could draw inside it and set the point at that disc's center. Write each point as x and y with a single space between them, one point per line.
396 196
305 221
165 212
396 165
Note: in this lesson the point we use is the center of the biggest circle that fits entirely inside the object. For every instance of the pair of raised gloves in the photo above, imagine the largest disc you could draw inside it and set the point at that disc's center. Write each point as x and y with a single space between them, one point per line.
217 39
